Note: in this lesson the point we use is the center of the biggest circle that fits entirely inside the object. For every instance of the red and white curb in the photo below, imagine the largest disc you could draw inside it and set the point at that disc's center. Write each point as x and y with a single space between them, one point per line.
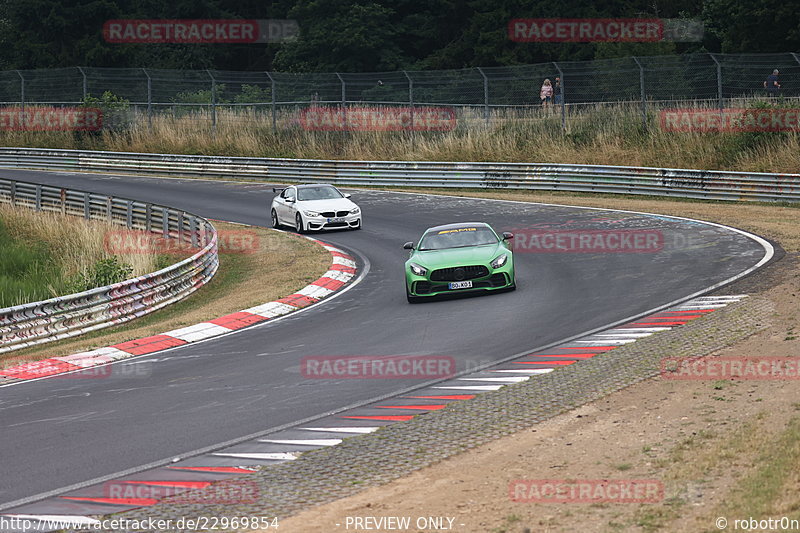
342 270
200 473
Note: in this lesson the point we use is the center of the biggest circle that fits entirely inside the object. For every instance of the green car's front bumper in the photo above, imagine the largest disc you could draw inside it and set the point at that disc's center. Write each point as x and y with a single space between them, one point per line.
482 276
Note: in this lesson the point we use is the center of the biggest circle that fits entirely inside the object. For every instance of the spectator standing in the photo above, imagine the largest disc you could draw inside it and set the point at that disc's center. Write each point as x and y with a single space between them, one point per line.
557 91
771 85
546 93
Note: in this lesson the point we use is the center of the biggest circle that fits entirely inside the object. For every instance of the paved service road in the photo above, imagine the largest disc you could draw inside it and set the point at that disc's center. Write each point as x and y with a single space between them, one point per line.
57 432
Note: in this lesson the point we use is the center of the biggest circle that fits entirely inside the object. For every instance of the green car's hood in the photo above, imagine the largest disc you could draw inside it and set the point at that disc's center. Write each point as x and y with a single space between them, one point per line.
473 255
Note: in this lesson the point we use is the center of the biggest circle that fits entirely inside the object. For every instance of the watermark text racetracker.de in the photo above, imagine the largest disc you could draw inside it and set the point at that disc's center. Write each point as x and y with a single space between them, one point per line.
765 368
225 492
569 30
49 118
237 241
588 241
378 367
730 120
586 490
200 31
396 118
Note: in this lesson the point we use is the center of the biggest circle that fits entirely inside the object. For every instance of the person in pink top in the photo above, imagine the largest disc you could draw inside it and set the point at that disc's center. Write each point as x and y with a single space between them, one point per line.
546 93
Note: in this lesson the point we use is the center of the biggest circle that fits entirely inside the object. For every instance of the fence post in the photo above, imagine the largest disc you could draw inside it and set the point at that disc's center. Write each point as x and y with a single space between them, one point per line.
149 99
563 100
274 115
22 95
641 88
485 96
85 85
344 100
719 82
213 101
410 99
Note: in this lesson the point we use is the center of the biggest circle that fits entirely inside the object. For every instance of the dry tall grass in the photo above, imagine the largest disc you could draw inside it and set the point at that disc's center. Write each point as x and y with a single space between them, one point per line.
607 134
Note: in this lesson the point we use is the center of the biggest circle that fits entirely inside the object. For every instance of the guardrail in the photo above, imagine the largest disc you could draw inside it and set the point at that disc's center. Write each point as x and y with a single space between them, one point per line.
683 183
67 316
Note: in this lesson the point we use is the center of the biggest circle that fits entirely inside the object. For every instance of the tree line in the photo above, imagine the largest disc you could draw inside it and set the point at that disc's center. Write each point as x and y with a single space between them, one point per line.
374 35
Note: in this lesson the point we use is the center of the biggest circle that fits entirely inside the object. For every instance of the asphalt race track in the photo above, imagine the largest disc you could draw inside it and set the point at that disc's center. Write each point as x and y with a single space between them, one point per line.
58 432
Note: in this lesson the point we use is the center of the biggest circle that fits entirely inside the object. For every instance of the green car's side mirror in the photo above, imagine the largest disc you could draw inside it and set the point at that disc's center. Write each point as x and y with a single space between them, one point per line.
408 246
507 235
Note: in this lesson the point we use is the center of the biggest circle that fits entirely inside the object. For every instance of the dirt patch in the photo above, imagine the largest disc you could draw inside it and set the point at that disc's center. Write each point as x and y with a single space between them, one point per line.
273 264
714 445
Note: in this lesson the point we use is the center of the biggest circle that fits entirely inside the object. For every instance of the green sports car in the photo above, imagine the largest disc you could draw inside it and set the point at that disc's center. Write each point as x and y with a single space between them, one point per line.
458 258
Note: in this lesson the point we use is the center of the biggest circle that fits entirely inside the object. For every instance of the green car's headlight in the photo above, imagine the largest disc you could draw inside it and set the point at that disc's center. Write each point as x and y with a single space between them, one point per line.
355 211
418 270
311 213
499 261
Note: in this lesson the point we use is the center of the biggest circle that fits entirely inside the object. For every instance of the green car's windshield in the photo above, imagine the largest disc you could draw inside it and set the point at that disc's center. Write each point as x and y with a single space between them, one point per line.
457 238
321 192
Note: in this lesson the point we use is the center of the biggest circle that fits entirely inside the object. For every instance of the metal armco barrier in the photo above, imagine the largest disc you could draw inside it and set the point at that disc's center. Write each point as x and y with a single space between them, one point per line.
682 183
67 316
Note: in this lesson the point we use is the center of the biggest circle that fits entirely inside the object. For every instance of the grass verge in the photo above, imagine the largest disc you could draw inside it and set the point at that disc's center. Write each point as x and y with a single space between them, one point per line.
46 255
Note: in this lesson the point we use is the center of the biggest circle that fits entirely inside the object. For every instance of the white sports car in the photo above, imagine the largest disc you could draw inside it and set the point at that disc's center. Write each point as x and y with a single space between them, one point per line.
313 208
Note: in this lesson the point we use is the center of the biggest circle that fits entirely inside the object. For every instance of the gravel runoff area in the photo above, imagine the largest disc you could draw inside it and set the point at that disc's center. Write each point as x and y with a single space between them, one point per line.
395 451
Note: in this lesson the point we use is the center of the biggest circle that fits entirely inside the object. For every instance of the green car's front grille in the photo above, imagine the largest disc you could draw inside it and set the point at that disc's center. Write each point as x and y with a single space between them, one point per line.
460 273
425 287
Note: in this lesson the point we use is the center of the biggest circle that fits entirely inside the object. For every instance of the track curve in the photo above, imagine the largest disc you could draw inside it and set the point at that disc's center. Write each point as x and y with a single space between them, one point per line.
59 432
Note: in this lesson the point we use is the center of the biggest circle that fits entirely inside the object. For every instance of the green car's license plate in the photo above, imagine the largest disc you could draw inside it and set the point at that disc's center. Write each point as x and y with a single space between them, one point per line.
460 285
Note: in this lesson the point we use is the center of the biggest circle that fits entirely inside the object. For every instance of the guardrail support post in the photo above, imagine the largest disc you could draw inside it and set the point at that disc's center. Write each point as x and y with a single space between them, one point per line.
641 88
165 222
274 111
181 219
563 100
129 214
63 201
193 230
485 95
109 208
13 193
149 99
86 210
38 197
719 83
148 217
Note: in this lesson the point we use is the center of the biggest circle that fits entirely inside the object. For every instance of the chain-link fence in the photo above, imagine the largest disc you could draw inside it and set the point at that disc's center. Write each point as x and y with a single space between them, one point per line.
274 98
